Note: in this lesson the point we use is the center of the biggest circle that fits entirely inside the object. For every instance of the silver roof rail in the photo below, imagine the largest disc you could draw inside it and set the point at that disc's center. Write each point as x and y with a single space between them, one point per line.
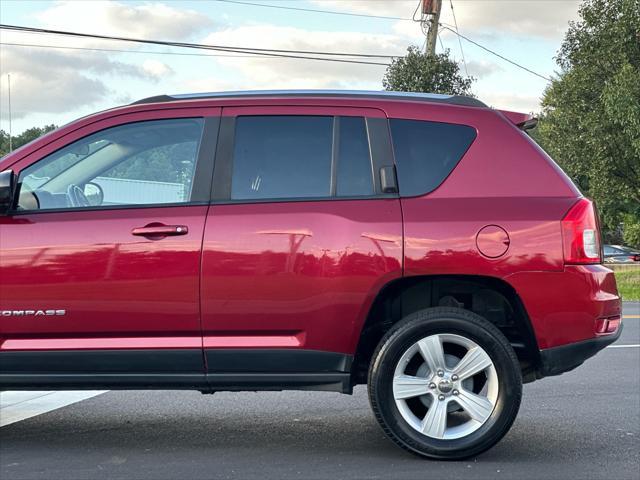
416 96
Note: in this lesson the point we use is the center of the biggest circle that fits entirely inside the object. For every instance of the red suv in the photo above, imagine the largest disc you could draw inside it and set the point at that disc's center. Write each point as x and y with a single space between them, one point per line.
312 240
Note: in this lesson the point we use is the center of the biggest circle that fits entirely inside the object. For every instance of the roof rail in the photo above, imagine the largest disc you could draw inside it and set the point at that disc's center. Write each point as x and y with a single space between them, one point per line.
415 96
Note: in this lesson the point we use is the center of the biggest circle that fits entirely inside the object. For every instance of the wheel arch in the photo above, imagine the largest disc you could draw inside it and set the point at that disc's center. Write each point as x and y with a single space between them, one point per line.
490 297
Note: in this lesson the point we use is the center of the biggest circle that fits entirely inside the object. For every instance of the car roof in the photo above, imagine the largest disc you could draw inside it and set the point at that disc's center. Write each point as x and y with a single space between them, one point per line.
412 96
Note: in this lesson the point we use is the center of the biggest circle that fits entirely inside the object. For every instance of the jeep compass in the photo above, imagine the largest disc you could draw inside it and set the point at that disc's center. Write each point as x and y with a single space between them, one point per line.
420 244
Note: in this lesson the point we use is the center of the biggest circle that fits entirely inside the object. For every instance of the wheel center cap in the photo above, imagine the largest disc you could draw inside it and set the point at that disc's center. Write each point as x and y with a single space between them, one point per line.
445 386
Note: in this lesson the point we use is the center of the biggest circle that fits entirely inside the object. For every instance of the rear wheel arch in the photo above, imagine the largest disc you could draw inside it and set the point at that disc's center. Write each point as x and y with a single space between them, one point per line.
490 297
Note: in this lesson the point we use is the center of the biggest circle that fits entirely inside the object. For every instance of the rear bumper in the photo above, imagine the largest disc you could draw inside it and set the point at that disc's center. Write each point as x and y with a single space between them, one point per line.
569 306
557 360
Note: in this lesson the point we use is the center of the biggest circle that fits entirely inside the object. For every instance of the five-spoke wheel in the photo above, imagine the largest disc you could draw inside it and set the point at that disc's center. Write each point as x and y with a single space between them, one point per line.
445 383
456 394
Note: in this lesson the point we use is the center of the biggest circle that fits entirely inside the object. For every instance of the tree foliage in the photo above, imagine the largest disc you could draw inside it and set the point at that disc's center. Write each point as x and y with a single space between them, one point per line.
22 139
590 122
419 72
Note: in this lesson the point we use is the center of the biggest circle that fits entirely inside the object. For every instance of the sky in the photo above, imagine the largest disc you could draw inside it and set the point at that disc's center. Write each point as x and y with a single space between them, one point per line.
56 85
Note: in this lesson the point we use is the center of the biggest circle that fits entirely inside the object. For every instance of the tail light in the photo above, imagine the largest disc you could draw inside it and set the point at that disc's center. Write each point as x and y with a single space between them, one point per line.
581 235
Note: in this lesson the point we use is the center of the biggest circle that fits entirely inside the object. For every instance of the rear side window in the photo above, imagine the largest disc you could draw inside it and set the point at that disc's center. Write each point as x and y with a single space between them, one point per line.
427 152
293 157
282 157
354 159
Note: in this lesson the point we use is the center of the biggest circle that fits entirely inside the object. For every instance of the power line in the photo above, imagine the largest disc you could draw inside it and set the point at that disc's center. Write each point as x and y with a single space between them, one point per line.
444 25
496 54
455 22
129 51
279 53
441 44
225 48
313 10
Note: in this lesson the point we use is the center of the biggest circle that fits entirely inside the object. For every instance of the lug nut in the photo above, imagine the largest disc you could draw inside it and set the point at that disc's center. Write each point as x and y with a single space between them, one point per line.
432 385
440 373
440 397
454 377
456 392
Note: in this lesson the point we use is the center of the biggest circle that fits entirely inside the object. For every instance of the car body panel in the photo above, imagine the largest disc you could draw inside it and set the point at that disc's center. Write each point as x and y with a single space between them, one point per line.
282 282
564 306
296 274
117 290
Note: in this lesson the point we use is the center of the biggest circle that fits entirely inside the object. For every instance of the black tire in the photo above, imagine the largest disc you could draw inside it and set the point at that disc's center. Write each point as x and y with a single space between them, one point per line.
437 321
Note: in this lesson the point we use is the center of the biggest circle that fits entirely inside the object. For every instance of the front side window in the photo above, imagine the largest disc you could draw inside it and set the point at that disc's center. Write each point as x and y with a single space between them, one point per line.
427 152
138 163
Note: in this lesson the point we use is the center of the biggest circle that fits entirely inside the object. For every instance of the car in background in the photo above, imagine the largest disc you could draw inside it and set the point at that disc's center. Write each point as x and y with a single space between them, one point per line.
620 254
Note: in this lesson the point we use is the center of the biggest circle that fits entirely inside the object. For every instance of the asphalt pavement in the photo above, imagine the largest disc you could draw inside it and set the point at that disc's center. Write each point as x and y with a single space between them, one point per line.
582 425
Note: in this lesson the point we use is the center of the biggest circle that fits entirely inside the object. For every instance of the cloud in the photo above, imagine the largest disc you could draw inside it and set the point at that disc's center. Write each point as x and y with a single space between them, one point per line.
482 68
531 18
264 72
151 20
54 81
47 80
156 69
64 93
512 101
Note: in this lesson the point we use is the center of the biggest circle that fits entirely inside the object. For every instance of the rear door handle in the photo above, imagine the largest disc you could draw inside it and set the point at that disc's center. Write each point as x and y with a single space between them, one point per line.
388 180
160 230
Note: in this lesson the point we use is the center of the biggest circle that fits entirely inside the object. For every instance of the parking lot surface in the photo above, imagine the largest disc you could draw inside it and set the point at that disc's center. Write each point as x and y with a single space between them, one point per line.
584 424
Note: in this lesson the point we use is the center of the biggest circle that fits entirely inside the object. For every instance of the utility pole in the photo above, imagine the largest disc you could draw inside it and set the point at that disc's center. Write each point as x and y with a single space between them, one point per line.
10 132
430 18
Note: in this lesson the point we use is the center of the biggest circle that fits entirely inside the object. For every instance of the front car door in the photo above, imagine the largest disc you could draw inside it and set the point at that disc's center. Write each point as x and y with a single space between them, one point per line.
100 259
299 240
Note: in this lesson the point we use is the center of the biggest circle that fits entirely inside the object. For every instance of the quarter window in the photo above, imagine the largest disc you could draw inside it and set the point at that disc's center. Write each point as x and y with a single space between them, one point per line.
427 152
135 164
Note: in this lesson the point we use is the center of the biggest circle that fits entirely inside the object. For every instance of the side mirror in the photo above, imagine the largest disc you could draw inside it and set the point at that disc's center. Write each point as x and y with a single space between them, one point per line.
7 190
94 193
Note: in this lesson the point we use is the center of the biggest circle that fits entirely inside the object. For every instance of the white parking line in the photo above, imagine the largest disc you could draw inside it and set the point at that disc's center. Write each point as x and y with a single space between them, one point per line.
624 346
17 406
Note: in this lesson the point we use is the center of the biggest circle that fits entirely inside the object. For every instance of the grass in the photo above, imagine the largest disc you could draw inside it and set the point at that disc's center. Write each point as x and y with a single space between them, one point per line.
629 283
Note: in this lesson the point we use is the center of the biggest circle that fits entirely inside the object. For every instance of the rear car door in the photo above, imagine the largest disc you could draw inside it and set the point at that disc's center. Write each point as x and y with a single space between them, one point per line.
299 239
100 259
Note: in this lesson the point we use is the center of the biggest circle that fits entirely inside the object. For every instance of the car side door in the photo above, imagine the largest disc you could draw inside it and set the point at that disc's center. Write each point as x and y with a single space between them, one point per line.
100 258
299 239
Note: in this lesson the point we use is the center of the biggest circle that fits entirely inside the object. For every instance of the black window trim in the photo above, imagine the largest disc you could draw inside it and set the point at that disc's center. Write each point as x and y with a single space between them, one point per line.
202 176
335 153
380 155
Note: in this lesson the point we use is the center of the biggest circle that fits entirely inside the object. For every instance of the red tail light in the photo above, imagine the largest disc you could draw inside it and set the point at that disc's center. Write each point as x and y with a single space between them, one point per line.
581 235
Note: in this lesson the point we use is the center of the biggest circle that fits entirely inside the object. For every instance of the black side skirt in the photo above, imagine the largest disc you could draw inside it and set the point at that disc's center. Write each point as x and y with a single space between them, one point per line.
229 370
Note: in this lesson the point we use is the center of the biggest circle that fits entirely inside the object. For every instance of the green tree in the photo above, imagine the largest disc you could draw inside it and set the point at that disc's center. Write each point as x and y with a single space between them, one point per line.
419 72
22 139
590 122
